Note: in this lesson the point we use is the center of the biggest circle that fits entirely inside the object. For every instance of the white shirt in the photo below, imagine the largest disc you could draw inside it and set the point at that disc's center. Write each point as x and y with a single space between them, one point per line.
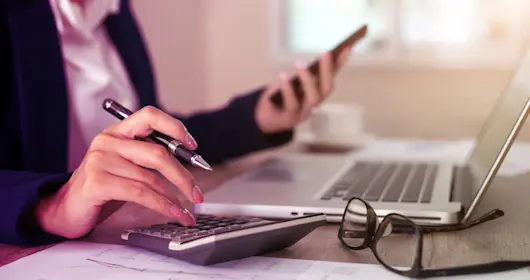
93 68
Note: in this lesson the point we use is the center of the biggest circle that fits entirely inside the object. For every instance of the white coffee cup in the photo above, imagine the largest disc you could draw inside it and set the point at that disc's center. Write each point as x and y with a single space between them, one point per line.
337 122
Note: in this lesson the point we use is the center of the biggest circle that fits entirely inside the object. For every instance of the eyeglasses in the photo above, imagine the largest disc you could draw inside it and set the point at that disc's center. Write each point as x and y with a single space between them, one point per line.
397 234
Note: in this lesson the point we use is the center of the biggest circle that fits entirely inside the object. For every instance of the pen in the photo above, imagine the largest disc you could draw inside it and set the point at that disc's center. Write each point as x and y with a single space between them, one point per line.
174 146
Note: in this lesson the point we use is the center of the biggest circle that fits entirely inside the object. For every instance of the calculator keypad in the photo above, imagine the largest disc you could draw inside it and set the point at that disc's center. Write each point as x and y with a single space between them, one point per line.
206 225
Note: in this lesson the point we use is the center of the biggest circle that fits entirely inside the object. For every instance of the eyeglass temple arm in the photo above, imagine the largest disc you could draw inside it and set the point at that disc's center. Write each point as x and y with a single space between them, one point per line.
397 228
498 266
492 215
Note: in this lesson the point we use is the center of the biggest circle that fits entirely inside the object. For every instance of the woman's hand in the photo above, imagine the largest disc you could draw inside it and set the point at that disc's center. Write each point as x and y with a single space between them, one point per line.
316 89
119 168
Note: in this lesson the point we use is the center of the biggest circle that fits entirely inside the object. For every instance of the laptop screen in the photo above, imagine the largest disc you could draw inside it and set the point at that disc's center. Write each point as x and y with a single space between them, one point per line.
497 134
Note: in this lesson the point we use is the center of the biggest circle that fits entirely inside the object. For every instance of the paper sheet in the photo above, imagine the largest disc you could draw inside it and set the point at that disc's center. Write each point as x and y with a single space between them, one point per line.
89 261
516 162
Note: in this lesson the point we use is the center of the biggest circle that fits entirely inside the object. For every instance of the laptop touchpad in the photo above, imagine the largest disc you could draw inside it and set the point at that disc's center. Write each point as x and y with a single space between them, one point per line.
289 170
275 171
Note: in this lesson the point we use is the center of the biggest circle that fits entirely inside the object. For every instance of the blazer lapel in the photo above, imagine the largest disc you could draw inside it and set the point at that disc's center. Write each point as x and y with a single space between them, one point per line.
125 35
41 86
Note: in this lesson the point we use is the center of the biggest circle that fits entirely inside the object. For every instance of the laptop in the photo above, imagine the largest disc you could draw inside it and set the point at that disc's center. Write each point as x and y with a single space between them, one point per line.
429 193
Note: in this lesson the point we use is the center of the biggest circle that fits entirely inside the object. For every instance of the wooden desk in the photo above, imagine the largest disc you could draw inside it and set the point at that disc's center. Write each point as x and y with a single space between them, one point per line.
504 238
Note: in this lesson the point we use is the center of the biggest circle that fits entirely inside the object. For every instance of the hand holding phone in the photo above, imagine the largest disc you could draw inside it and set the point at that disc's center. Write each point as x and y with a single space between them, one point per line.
277 98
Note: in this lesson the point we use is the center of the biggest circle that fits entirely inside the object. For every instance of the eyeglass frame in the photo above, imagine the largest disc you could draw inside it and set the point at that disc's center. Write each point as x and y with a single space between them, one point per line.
374 229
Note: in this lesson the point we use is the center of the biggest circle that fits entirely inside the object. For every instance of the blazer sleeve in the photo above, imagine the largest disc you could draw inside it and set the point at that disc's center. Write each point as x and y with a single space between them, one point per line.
231 131
19 193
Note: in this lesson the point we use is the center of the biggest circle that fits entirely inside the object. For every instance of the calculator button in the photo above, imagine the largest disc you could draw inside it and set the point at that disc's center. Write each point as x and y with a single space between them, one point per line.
206 227
186 236
157 226
204 216
202 233
221 230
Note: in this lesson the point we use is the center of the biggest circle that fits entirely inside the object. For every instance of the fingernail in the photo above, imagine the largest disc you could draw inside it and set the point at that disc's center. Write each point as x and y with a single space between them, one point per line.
300 64
183 215
197 195
190 142
190 218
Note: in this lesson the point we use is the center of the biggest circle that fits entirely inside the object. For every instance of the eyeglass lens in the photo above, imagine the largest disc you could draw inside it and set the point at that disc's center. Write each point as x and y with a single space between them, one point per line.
397 250
395 242
355 224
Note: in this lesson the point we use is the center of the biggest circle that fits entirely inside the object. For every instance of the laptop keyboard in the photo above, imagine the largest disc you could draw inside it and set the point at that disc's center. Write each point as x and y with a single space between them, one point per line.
386 182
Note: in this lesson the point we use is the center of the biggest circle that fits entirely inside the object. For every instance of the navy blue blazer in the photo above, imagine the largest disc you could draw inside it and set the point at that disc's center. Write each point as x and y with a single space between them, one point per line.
34 112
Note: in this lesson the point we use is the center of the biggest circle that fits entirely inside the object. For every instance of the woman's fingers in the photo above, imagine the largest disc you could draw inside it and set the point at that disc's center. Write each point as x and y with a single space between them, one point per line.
152 156
312 95
110 187
343 58
146 120
121 167
289 97
326 74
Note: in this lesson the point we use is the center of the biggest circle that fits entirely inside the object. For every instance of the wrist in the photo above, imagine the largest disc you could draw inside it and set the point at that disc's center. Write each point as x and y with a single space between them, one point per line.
47 212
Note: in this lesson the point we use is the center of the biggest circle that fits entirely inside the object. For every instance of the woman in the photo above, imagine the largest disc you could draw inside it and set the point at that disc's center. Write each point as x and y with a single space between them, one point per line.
63 159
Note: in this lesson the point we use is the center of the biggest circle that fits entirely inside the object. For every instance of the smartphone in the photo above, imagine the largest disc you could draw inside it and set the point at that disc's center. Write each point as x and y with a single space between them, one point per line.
277 98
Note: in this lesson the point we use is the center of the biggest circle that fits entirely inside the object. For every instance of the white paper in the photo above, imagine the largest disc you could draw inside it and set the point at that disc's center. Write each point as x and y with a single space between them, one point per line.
516 162
91 261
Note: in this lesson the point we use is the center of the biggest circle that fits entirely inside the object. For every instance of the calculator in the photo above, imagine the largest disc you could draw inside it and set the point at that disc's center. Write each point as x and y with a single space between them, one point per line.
216 239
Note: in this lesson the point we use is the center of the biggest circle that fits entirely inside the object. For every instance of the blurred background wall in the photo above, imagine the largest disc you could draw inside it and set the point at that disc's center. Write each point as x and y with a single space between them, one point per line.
207 51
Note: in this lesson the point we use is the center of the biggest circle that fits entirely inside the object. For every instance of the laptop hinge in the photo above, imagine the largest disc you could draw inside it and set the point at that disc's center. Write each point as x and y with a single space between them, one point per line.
462 183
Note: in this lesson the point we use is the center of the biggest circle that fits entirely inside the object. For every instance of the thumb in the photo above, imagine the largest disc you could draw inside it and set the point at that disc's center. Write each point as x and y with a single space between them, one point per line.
343 57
